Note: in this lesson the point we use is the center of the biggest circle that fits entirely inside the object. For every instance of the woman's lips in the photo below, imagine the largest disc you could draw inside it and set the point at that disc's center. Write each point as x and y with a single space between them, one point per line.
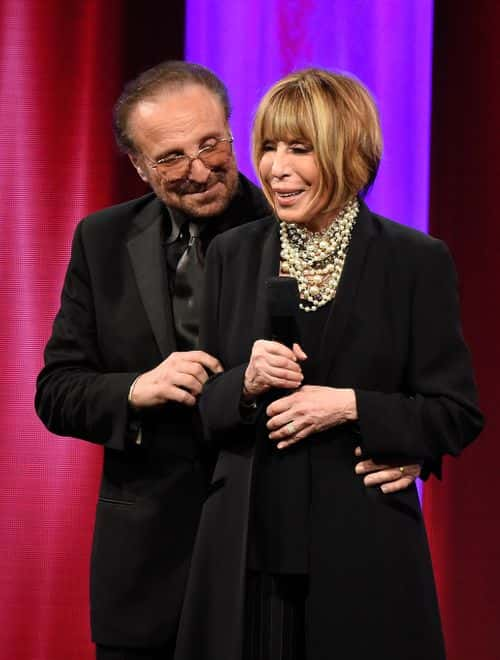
287 197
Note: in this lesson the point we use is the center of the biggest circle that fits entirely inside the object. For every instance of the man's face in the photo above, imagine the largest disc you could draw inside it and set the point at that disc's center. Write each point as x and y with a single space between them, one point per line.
183 122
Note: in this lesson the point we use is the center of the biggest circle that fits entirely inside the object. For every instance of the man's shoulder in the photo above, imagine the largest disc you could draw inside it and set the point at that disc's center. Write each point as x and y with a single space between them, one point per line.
125 210
118 221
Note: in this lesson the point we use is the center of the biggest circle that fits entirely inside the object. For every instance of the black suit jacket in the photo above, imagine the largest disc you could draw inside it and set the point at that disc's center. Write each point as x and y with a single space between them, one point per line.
115 322
393 334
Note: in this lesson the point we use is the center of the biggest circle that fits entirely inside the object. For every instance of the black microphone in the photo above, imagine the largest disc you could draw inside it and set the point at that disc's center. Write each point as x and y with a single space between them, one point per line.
282 298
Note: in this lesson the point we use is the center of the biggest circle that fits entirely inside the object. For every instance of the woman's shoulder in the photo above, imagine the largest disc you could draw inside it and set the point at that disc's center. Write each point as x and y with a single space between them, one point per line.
406 238
408 251
398 231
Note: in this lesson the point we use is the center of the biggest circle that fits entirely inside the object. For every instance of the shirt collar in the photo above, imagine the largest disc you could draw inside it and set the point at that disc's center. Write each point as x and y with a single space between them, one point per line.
177 220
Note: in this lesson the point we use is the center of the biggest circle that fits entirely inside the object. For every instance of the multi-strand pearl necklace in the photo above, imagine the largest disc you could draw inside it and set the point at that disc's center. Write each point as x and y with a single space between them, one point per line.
316 259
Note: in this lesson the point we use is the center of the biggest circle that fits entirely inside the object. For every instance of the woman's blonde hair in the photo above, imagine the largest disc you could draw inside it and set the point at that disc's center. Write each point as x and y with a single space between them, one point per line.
337 116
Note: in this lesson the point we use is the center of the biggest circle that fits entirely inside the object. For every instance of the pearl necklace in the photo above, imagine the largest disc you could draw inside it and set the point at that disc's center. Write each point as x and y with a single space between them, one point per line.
316 259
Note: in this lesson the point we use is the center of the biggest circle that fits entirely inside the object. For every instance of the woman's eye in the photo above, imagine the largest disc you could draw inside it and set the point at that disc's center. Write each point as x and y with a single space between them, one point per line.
300 149
268 146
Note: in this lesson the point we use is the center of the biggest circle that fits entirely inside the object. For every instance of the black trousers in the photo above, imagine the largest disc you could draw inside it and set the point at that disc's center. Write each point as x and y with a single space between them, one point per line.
116 653
275 617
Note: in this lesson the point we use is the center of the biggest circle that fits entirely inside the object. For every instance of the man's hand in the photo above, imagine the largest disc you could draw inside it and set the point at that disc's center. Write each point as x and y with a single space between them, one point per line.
178 378
389 478
273 365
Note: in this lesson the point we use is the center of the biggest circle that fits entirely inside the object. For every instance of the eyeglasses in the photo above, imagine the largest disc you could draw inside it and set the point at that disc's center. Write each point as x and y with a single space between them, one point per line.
176 166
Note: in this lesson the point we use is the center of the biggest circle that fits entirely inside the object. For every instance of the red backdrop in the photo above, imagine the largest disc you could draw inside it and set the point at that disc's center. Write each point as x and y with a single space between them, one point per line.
62 64
463 511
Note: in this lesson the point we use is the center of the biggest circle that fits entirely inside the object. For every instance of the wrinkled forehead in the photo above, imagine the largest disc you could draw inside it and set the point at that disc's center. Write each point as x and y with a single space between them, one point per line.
179 119
182 100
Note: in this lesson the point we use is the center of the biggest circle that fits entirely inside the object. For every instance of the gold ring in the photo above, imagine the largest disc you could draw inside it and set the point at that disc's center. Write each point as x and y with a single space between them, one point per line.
291 430
402 469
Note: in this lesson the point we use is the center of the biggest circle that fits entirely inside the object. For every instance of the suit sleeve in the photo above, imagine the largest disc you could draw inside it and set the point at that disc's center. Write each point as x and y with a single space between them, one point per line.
439 413
75 396
220 402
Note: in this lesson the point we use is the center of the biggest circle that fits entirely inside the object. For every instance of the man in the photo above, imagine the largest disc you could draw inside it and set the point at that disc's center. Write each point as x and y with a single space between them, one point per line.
121 367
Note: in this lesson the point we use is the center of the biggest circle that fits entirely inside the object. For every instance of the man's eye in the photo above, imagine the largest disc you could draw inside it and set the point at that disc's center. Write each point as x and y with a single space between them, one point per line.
171 158
209 146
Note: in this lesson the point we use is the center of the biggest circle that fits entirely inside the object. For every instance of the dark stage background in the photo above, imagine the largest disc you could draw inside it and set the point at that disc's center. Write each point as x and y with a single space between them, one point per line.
62 65
463 511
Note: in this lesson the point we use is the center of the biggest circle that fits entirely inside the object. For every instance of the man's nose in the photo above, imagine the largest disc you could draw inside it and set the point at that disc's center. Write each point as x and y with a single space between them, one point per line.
198 171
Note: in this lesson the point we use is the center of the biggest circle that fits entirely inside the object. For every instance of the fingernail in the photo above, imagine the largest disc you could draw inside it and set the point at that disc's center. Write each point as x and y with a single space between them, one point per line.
383 489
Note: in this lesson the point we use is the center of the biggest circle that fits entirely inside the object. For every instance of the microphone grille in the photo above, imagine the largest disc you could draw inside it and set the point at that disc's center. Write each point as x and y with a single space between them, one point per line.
282 295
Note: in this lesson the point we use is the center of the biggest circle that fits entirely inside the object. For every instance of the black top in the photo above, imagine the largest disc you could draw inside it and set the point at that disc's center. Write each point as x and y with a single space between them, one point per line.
280 524
393 329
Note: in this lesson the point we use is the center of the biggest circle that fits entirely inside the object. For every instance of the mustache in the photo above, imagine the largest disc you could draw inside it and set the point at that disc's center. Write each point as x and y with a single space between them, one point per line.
188 187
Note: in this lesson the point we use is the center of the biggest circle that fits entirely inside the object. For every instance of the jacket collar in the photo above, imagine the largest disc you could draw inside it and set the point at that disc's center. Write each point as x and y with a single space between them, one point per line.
347 292
344 303
145 247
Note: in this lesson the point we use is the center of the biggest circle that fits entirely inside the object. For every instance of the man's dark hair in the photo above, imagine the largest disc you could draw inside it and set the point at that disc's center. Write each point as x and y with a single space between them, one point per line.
169 75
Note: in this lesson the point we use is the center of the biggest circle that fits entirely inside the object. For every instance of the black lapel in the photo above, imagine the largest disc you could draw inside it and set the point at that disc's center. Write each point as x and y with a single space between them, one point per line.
148 261
269 266
343 305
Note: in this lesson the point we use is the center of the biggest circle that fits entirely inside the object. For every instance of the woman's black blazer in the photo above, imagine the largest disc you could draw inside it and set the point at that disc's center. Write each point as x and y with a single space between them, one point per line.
394 335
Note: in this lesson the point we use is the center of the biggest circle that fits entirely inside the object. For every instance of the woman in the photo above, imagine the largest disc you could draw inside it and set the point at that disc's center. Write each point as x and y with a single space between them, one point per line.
294 557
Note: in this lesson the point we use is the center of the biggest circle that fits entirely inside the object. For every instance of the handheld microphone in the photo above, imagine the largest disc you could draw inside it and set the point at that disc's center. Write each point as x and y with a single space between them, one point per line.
282 297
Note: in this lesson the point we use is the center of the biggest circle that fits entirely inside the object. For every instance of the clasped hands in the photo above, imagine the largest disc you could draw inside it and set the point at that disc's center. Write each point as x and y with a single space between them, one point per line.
310 409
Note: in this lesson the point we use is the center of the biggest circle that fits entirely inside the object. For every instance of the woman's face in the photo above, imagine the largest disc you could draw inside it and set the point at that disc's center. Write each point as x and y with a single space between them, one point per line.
290 172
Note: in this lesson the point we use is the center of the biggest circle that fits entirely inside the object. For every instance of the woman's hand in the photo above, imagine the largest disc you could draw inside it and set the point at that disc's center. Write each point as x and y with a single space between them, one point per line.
272 365
311 409
390 478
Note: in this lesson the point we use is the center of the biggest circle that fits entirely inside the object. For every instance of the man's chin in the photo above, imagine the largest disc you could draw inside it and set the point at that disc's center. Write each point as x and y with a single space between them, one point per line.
205 212
205 204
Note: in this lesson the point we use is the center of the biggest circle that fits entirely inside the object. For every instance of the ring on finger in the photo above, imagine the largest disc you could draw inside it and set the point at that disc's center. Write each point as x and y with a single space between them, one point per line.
290 429
402 470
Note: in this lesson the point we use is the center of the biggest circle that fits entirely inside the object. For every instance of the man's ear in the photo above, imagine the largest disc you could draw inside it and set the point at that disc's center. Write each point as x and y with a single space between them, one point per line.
140 171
